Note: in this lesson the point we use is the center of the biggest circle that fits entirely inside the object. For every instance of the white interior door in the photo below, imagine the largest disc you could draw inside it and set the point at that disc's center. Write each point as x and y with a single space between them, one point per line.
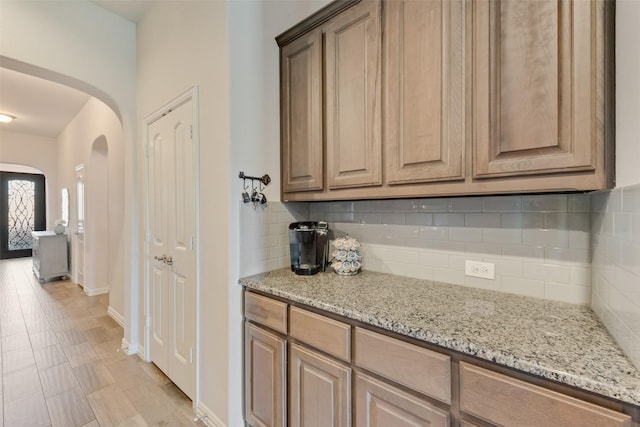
171 245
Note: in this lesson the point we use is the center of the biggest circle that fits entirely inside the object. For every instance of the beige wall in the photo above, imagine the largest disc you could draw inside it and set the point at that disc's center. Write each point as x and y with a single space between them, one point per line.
95 122
627 92
181 44
37 152
254 145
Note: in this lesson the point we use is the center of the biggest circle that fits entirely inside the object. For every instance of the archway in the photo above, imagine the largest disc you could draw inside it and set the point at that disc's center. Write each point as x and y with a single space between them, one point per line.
96 219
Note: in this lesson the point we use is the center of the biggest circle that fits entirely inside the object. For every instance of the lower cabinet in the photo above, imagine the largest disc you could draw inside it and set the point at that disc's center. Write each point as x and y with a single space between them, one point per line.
319 390
395 383
380 404
265 383
505 401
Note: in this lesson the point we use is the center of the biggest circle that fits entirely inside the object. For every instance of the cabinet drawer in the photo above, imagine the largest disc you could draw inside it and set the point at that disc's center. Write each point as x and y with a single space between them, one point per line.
268 312
380 404
502 400
422 370
325 334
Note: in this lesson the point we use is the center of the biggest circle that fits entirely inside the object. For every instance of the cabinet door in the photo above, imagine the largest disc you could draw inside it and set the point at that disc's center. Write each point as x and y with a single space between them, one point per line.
535 108
505 401
301 113
380 404
264 378
320 390
353 92
425 86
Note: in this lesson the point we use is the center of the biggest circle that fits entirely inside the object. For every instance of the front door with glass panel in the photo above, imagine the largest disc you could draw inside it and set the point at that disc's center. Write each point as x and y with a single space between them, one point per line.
22 210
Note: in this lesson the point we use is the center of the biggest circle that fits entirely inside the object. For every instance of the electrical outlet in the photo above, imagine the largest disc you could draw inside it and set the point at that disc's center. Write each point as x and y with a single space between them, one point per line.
485 270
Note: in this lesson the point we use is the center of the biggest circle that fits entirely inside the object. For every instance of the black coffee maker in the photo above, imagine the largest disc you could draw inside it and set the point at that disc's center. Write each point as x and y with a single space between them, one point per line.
308 246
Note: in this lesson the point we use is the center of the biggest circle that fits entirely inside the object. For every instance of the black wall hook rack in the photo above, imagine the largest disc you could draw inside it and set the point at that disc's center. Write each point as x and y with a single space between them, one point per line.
264 179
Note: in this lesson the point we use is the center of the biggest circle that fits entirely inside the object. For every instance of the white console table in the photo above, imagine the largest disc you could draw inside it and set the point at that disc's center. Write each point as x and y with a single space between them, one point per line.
50 255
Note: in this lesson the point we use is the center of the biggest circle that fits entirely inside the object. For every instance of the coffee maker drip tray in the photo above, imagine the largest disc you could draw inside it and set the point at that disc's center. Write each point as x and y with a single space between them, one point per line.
306 269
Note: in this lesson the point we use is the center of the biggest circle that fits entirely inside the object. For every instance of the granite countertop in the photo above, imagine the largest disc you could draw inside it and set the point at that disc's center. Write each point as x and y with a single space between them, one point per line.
558 341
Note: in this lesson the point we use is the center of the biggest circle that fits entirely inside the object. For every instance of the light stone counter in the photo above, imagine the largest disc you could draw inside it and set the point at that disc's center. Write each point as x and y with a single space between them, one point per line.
558 341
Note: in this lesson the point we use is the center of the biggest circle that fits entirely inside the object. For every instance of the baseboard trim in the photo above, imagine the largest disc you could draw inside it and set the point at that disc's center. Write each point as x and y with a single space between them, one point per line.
141 353
207 416
129 349
119 318
97 291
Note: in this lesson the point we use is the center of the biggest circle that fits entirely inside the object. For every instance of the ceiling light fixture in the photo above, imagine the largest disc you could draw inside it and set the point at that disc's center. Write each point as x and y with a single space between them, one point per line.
5 118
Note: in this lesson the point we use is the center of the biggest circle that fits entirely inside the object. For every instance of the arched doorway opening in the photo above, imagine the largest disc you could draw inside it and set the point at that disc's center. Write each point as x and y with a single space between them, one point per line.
96 219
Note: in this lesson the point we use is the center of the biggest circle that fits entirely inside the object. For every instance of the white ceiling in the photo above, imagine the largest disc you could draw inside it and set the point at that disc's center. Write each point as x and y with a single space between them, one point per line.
41 107
45 108
131 10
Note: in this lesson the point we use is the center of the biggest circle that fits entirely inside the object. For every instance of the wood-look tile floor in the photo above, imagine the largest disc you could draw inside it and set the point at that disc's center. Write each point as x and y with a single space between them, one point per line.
61 364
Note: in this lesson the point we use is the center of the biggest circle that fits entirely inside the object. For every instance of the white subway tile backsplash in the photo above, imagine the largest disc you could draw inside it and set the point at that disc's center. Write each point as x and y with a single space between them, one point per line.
631 199
392 218
434 233
523 253
406 205
579 239
579 203
547 238
465 204
483 248
567 293
526 287
506 267
616 265
545 203
448 275
434 205
482 220
536 242
449 219
465 234
502 235
419 218
522 220
368 217
419 271
457 262
635 227
577 256
502 204
478 282
568 221
580 276
622 226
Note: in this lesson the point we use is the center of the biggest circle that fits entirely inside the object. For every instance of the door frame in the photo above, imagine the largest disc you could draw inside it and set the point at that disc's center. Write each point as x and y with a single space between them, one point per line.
145 352
40 205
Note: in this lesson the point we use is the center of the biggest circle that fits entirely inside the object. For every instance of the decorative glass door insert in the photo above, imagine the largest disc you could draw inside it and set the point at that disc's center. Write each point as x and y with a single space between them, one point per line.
22 211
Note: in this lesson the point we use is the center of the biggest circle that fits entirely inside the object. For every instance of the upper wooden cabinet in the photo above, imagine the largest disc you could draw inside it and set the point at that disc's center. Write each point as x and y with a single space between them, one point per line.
352 97
424 86
301 92
536 87
330 96
448 97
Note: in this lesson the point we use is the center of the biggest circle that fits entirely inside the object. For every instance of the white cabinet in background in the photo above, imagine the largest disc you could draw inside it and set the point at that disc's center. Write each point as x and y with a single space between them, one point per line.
50 258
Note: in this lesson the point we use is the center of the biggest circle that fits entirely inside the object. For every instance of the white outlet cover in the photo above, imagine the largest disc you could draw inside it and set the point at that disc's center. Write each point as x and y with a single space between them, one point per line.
484 270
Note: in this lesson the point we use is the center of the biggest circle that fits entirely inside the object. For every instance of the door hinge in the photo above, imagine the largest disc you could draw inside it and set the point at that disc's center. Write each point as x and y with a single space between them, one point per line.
191 355
191 131
191 244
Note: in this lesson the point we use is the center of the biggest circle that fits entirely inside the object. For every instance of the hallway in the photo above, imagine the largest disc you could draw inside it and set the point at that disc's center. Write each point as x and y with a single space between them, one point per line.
61 365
